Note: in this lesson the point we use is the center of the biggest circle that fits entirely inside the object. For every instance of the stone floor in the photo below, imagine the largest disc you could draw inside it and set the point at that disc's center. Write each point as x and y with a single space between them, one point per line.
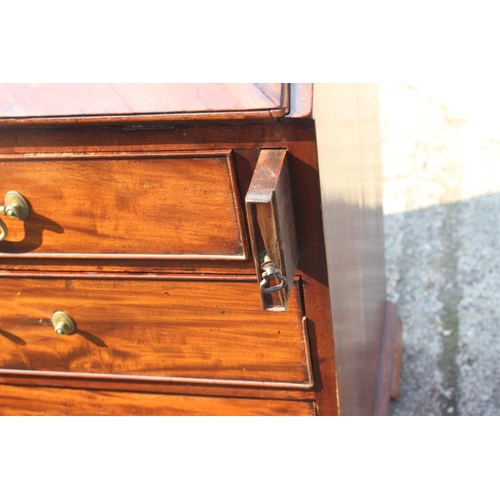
441 159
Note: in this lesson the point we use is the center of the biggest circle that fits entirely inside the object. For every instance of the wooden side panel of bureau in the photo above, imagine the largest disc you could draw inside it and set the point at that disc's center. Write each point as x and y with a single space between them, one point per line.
138 231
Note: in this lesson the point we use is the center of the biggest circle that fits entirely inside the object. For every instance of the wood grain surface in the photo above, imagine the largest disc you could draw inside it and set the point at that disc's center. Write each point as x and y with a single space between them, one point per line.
135 206
206 331
245 139
18 400
72 102
348 135
154 134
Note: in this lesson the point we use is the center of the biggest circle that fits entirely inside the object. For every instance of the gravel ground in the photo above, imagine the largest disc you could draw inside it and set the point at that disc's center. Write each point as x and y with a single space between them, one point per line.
441 159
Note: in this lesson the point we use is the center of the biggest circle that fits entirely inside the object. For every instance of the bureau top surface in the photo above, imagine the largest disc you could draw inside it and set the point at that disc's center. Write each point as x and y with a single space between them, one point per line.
72 102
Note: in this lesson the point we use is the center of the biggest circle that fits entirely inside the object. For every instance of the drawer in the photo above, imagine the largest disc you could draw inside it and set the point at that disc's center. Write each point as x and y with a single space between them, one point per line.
16 400
179 330
154 205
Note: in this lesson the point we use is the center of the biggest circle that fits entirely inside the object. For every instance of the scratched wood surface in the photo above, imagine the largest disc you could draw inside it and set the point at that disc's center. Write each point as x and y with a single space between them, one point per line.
36 102
213 331
135 206
18 400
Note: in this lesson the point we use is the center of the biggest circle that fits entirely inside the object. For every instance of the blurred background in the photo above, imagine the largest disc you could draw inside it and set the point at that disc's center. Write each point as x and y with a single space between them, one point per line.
441 161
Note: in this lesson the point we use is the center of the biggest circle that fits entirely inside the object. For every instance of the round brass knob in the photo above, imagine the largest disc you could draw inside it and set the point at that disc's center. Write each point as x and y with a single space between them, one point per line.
63 324
16 205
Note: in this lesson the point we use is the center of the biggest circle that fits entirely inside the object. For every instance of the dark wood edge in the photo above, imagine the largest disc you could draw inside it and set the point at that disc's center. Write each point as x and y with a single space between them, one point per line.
127 155
112 120
90 275
292 245
160 388
130 257
285 102
238 207
307 348
125 256
165 276
392 331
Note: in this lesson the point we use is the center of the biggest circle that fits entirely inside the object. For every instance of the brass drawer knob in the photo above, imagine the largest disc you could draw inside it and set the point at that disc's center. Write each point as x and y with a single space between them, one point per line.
16 207
63 324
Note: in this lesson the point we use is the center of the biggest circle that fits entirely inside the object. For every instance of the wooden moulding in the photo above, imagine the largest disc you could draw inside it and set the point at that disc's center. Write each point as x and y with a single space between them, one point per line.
390 360
152 205
271 222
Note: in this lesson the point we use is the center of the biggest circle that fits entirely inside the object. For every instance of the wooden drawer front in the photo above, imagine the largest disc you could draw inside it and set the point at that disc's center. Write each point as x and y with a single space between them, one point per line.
184 330
15 400
174 206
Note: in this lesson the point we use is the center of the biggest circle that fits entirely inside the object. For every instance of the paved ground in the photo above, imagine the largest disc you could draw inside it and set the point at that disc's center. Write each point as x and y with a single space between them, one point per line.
441 158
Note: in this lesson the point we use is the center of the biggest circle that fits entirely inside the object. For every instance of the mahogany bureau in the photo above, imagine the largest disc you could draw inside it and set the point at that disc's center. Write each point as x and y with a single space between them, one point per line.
192 249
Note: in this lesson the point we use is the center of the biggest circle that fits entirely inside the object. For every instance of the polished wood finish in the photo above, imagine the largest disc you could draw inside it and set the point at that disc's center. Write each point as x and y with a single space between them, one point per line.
52 104
336 280
347 121
271 223
212 331
119 205
39 401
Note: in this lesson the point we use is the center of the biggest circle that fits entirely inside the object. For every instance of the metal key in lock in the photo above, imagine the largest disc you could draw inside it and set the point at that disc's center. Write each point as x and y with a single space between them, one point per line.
269 272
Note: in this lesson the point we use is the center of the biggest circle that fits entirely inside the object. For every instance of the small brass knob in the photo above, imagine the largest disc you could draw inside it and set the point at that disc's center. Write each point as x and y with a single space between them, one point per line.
15 206
63 324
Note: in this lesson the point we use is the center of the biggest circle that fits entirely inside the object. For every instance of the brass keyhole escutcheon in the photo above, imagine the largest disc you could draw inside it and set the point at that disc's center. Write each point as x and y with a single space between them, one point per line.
63 324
